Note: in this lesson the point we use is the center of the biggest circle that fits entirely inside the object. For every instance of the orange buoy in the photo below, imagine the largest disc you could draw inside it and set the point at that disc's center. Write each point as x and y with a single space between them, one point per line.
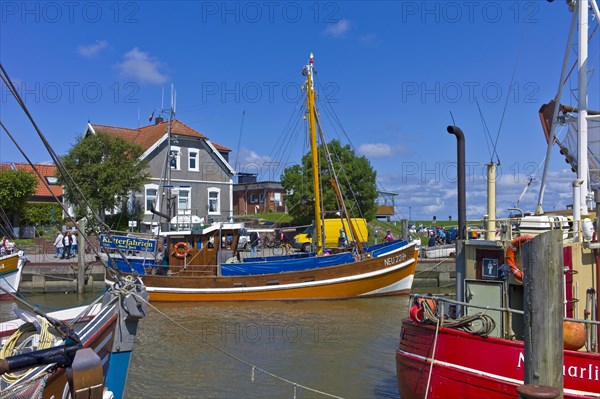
181 250
573 335
431 302
510 255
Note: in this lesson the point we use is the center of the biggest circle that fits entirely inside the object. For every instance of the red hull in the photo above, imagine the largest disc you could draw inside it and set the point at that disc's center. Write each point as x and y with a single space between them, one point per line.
467 366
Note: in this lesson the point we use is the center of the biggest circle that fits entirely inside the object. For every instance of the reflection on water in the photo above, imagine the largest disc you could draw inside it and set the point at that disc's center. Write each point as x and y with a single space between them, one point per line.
345 348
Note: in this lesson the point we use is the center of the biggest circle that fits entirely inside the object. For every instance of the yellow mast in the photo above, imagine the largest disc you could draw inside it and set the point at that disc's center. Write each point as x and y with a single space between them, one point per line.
312 127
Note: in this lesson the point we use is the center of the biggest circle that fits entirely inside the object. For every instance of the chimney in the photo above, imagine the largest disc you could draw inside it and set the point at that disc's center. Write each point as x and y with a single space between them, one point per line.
158 120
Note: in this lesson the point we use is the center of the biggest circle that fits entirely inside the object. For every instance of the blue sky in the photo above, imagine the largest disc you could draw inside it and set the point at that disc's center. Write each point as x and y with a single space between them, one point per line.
392 72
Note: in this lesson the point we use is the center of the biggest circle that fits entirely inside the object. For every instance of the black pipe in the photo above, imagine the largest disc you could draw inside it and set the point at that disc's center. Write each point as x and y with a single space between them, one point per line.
461 267
62 355
462 193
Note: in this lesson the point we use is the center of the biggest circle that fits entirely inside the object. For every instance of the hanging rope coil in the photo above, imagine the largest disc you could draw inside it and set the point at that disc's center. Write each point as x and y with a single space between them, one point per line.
23 333
480 324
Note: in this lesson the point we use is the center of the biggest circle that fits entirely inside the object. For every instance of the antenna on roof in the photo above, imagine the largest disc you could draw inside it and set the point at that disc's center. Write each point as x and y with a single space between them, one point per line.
173 98
162 98
237 152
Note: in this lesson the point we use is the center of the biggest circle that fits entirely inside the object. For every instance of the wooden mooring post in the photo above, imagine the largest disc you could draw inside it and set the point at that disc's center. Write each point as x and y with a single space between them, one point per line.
80 257
543 307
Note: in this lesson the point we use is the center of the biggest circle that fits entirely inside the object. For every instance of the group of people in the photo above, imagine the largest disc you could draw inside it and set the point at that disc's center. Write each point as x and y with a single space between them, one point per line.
66 245
439 237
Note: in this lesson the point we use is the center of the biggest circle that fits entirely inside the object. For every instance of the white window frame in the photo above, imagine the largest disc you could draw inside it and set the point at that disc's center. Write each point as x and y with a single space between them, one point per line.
156 198
188 209
177 157
196 153
212 190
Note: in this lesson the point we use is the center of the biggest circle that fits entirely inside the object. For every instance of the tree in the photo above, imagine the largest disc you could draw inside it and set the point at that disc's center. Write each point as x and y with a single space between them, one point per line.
106 169
357 183
16 186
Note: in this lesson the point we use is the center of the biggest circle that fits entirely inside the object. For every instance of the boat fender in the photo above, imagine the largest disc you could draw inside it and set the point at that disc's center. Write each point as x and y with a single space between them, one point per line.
181 250
587 229
574 335
416 313
514 246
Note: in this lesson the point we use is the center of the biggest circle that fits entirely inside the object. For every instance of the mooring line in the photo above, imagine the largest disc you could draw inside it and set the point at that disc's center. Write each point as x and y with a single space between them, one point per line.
231 355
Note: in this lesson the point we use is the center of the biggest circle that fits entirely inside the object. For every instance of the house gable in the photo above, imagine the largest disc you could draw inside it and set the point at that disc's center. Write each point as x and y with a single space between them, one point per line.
201 179
151 137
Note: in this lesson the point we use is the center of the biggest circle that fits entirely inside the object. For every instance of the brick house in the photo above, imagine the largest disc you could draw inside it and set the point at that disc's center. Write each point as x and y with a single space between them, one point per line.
43 194
250 196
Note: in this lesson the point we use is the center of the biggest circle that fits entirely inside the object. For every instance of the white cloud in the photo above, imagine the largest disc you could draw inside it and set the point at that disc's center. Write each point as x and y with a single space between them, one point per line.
248 161
141 66
92 50
376 150
428 193
368 39
339 29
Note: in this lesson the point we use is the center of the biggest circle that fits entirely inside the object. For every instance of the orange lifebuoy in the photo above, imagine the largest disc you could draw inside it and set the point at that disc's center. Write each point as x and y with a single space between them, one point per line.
510 255
180 250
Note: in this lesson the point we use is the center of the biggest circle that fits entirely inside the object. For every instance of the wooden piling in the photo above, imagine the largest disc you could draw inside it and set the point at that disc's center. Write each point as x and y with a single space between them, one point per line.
405 233
80 257
543 281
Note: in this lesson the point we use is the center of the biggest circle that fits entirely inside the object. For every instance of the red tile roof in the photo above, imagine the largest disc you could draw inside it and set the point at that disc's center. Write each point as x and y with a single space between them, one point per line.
46 171
5 166
147 136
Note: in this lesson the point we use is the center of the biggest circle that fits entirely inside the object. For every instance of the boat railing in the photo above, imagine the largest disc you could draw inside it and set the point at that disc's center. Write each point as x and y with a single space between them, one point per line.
510 228
441 300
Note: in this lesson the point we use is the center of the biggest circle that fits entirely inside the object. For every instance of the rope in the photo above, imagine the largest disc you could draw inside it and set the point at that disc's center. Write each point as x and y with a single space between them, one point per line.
465 323
231 355
45 340
435 340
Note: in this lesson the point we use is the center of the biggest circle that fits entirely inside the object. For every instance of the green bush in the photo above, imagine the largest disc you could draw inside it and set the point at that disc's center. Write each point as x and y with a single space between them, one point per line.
41 214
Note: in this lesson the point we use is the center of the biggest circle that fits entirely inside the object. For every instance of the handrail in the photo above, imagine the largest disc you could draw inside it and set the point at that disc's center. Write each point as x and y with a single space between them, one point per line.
508 310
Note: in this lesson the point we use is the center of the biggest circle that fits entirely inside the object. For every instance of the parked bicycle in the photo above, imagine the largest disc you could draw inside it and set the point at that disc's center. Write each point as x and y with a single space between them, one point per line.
282 248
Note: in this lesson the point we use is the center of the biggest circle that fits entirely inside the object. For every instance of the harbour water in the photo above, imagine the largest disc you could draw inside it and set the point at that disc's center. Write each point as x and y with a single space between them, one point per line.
190 350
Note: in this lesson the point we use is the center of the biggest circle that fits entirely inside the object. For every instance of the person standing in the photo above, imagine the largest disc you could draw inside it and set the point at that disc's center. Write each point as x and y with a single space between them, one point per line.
67 241
58 244
73 244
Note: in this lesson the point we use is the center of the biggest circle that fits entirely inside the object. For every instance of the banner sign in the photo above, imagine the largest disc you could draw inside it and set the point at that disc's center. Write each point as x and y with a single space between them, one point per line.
127 243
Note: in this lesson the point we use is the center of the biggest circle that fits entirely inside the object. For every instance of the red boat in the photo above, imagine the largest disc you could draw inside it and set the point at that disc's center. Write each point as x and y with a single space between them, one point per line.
474 347
468 366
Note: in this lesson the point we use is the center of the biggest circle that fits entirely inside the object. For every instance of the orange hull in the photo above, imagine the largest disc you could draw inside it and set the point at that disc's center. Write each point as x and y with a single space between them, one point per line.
387 275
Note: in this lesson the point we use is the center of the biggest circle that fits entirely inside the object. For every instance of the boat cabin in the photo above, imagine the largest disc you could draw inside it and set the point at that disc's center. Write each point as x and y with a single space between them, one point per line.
187 250
491 281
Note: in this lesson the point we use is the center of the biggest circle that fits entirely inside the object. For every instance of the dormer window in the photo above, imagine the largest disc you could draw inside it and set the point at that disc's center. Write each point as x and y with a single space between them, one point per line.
52 180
